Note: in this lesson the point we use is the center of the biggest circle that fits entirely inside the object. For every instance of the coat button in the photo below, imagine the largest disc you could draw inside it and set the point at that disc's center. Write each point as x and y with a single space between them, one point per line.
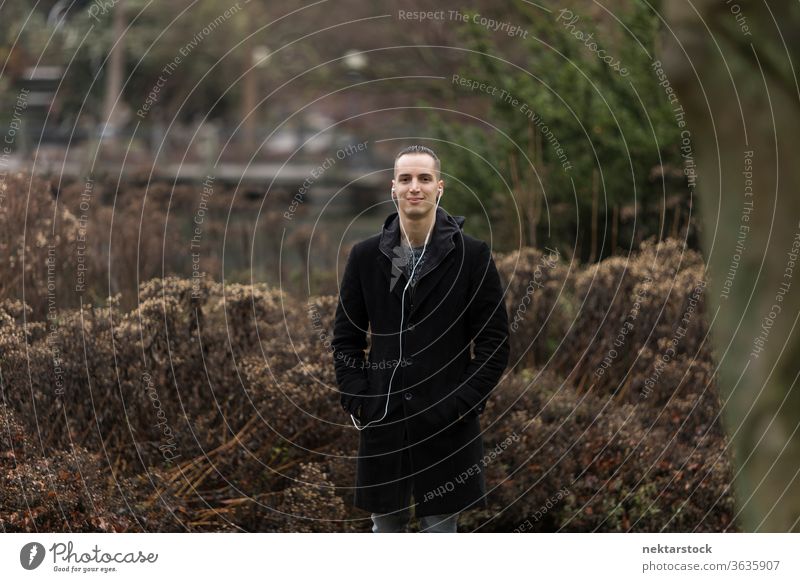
408 396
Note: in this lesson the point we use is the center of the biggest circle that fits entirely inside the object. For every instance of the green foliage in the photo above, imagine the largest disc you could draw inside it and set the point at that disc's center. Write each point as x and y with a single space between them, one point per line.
616 124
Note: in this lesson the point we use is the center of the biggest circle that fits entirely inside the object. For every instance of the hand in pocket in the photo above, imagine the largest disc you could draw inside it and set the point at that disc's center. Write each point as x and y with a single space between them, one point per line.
445 411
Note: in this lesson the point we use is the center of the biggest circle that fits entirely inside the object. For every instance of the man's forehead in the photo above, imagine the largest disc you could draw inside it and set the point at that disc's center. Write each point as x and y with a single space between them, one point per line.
415 163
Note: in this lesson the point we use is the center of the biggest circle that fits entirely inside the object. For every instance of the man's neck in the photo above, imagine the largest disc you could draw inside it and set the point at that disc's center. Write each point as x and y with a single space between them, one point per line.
416 230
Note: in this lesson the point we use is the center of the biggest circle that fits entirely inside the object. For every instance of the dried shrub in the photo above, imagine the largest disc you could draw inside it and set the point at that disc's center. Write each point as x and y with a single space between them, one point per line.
627 310
37 236
620 474
67 491
538 304
213 408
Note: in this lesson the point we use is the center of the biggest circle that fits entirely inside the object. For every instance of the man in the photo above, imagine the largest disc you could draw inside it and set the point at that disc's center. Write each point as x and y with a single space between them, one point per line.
428 292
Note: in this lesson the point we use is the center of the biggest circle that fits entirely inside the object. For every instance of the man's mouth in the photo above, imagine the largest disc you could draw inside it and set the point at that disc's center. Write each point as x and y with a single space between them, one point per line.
415 200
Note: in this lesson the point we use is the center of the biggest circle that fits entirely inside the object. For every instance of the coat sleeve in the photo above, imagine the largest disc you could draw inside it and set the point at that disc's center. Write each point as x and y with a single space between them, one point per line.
350 337
488 327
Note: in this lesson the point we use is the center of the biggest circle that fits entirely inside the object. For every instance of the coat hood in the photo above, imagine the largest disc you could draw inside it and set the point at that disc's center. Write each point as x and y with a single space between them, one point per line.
442 242
444 228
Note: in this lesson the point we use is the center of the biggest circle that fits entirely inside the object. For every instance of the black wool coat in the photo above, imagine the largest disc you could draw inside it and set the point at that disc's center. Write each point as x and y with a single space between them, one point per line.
431 432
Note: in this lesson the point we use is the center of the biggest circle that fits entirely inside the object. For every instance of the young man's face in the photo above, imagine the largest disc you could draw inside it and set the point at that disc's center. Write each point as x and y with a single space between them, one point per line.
415 184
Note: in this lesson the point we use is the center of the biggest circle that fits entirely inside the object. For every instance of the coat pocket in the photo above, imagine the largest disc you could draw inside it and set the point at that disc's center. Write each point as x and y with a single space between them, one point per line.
443 410
464 410
374 399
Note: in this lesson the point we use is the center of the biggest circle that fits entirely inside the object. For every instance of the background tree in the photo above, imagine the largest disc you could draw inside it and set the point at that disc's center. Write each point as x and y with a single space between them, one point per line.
598 132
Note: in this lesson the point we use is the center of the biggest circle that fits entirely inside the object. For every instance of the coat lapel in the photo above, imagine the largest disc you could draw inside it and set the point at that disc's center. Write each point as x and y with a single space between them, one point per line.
393 259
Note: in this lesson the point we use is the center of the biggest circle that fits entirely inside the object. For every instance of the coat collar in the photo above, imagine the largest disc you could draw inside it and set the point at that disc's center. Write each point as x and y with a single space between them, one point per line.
446 227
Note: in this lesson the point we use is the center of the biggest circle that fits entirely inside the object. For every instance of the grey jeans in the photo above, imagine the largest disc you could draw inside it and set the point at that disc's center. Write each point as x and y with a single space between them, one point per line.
398 522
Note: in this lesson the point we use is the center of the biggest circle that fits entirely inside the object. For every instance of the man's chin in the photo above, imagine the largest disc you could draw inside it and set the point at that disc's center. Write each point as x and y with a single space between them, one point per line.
417 213
420 209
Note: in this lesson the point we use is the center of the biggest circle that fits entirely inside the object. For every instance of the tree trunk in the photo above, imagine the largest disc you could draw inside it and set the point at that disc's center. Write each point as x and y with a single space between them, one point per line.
116 64
595 197
614 228
758 353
